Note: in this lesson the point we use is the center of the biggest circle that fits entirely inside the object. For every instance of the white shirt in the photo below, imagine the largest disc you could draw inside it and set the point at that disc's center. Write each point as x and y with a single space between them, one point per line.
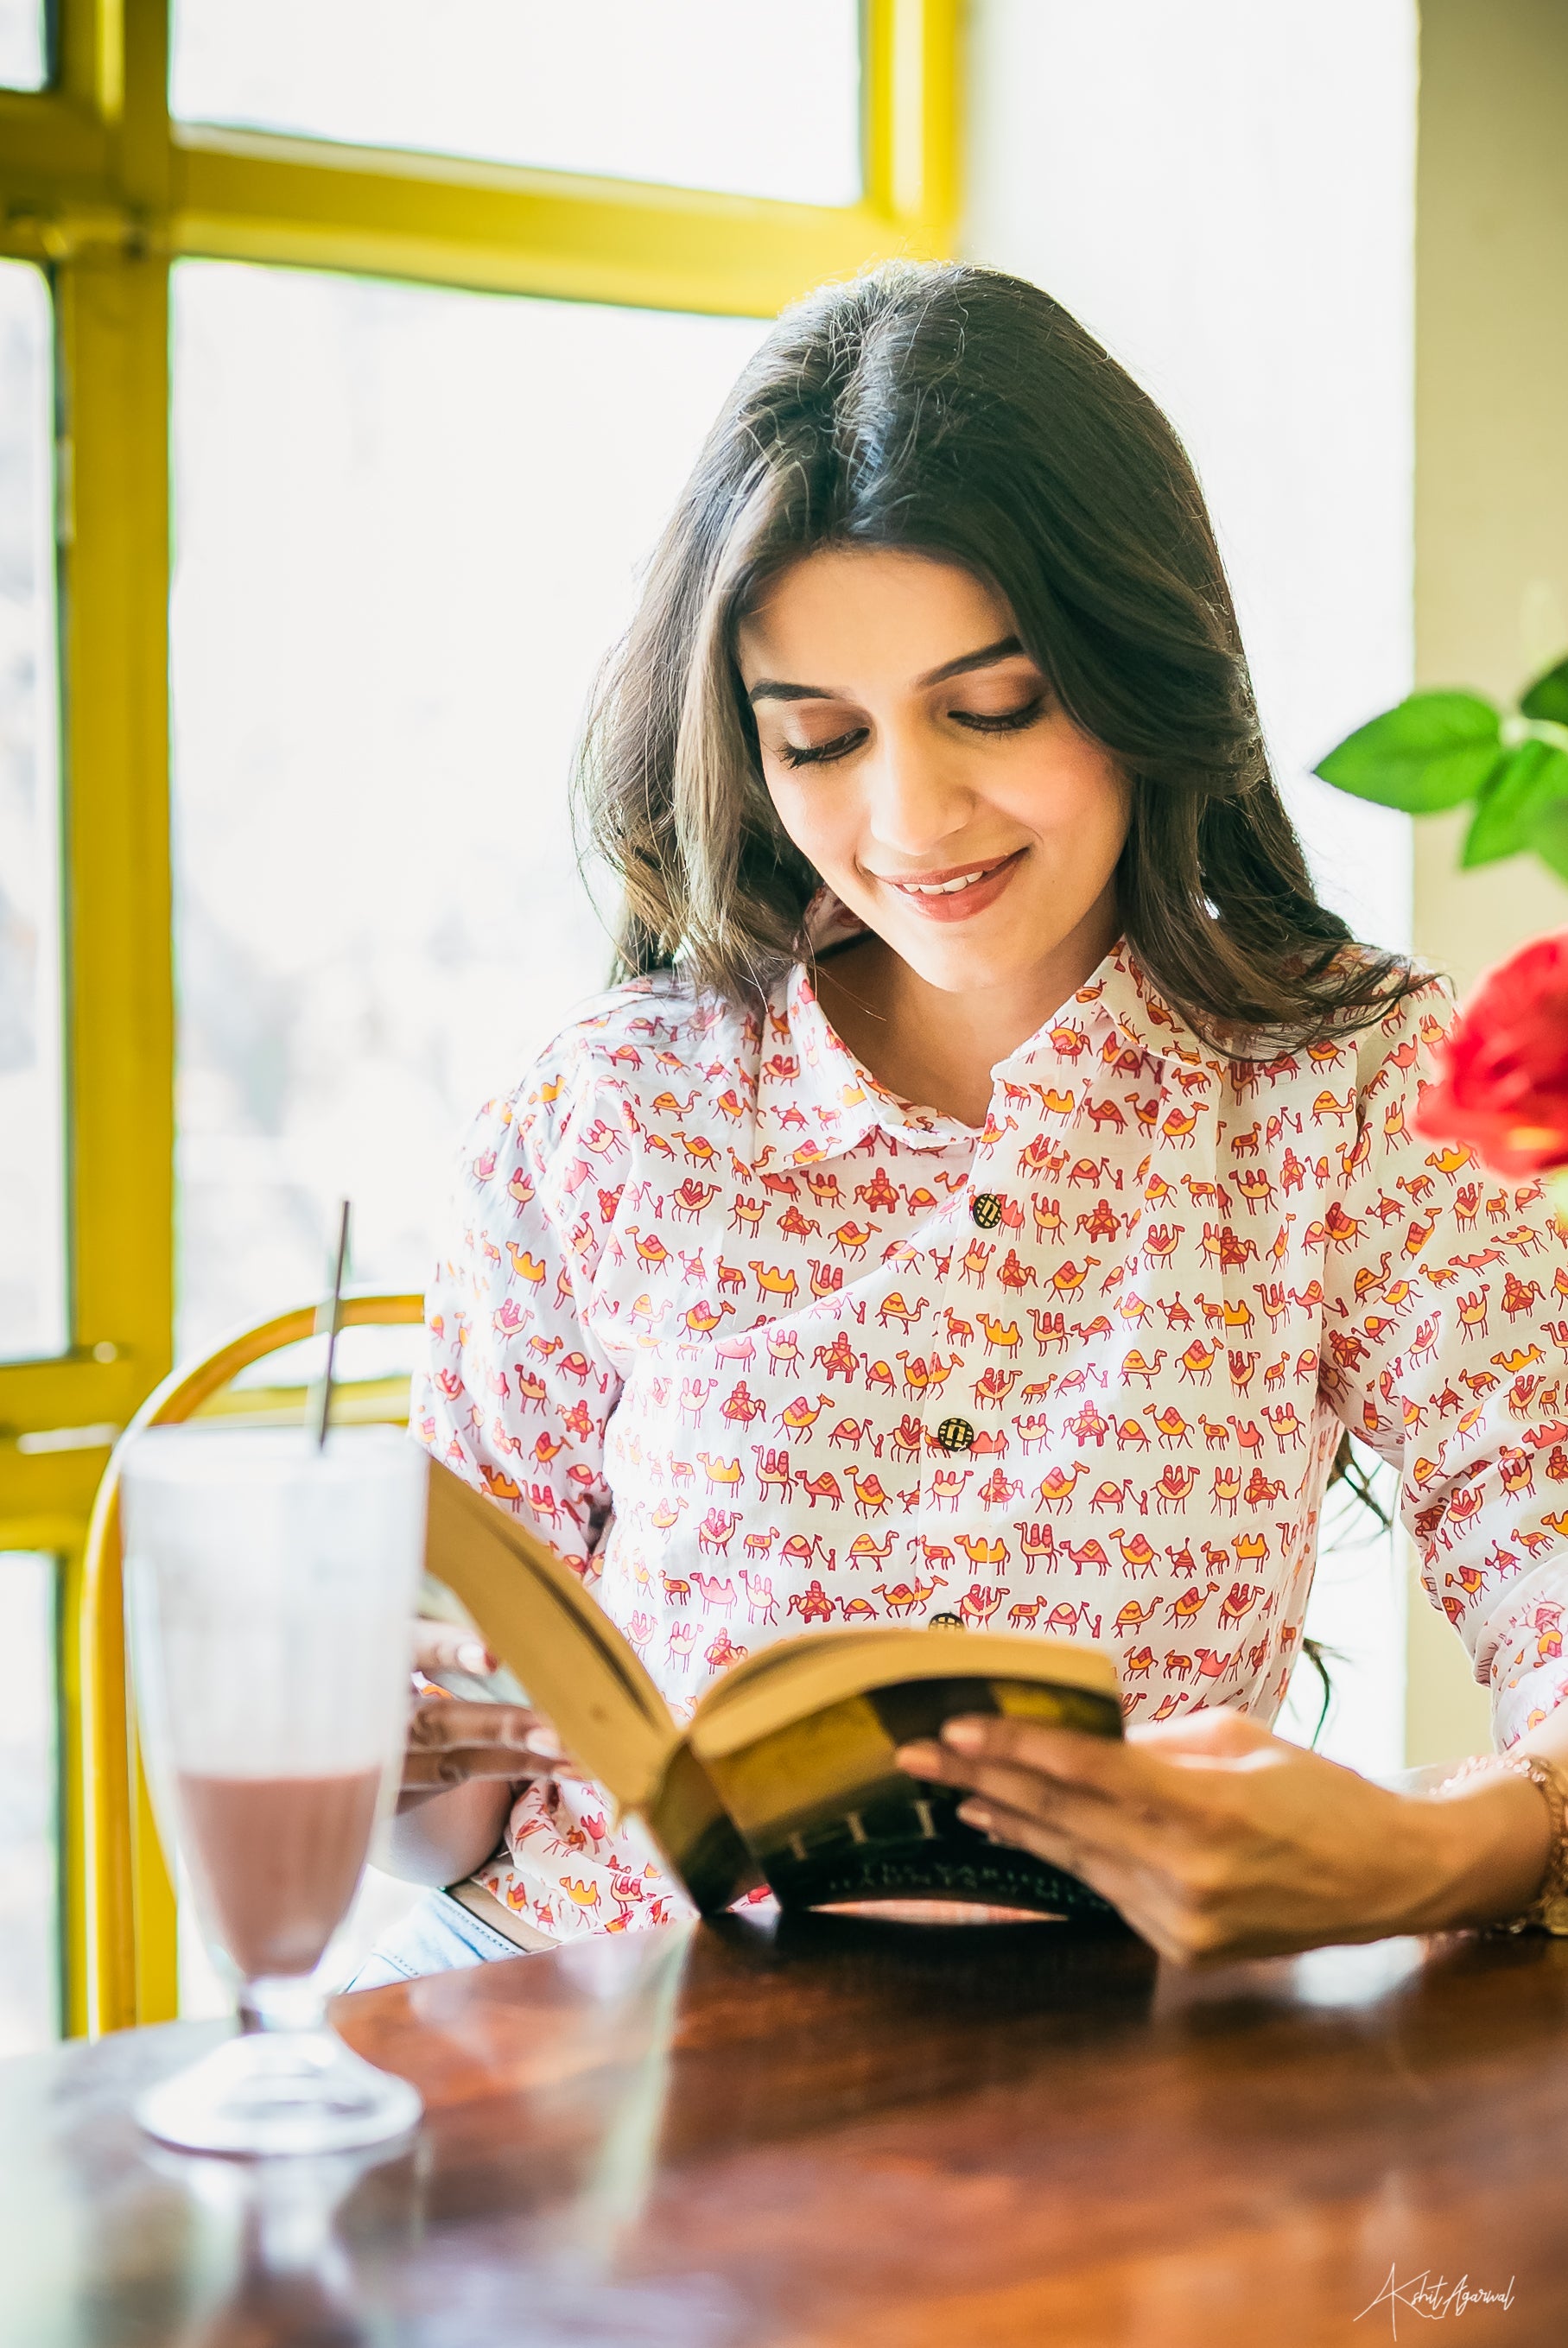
760 1347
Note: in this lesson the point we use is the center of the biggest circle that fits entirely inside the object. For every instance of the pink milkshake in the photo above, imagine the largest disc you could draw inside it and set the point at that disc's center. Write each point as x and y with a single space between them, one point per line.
276 1860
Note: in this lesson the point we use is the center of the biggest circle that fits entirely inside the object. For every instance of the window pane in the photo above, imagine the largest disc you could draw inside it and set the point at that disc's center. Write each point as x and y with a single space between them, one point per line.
762 97
407 525
23 49
29 1900
32 1256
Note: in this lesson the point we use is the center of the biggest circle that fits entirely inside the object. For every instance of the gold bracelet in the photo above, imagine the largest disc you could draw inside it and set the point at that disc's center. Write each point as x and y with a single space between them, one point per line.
1548 1911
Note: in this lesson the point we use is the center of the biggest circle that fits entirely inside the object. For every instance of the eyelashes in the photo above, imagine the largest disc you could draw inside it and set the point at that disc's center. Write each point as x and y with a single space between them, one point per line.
1010 721
825 754
820 753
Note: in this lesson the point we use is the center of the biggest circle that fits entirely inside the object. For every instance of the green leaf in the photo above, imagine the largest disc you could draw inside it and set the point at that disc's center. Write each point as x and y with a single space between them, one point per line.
1434 751
1548 696
1548 838
1527 784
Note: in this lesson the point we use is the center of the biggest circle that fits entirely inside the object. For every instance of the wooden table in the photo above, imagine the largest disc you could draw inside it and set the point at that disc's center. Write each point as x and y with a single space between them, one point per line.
832 2131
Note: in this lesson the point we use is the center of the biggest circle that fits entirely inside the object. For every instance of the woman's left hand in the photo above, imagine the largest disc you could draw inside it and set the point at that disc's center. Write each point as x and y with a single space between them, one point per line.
1217 1839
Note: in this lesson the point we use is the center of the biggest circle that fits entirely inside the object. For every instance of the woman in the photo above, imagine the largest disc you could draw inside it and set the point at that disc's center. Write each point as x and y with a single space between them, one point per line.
994 1189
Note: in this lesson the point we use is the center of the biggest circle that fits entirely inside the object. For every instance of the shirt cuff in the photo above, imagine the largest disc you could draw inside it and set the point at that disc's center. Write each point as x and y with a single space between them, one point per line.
1518 1649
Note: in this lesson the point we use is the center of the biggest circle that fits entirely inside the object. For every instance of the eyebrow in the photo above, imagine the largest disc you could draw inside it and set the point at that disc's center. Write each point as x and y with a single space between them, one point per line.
769 688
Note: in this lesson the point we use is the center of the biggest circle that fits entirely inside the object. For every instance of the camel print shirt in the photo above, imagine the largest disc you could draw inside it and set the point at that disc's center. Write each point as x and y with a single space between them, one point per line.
760 1347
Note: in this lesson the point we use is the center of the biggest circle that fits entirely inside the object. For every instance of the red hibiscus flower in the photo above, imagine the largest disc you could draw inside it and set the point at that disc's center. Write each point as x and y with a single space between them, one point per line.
1504 1082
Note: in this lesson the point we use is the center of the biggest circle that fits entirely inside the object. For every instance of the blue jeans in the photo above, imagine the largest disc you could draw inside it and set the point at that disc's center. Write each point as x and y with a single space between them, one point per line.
435 1937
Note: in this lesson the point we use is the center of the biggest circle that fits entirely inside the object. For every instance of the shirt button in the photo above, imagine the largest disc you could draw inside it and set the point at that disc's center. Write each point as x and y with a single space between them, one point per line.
955 1434
985 1208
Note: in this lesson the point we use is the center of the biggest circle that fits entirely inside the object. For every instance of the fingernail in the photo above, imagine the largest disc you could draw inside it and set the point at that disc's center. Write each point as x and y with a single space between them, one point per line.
963 1735
473 1656
912 1758
976 1814
540 1741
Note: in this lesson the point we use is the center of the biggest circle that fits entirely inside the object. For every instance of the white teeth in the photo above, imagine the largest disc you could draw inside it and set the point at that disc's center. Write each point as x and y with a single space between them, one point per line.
945 888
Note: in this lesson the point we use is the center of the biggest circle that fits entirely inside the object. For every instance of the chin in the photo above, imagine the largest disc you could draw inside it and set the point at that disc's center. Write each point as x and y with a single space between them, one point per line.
960 966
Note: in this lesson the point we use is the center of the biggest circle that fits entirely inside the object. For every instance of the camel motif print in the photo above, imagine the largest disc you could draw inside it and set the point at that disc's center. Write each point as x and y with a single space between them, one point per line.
761 1349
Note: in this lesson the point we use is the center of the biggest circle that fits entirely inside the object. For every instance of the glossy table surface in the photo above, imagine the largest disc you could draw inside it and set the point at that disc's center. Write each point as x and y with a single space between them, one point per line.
836 2131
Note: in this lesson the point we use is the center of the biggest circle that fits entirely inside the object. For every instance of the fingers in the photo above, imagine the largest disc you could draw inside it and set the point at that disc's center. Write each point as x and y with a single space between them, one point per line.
1112 1877
1025 1829
1172 1899
437 1723
447 1646
1093 1824
451 1742
1153 1835
438 1772
1176 1769
1214 1838
1221 1733
1125 1832
1102 1767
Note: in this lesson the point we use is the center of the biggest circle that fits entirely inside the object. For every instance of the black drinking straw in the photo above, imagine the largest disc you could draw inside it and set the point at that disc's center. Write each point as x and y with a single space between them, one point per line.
321 1413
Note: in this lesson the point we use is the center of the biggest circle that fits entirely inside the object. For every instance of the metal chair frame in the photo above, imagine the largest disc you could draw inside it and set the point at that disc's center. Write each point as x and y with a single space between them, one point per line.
131 1920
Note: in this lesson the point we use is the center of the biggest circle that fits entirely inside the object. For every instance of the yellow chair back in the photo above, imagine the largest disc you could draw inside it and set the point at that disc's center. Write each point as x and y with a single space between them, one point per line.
130 1956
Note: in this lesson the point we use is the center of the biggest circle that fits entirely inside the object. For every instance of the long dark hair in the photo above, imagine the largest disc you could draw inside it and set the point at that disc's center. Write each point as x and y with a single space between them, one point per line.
959 413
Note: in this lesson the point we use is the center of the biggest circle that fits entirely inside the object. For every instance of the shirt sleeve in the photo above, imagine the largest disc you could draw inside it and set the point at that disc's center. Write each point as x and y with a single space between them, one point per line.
515 1393
1442 1349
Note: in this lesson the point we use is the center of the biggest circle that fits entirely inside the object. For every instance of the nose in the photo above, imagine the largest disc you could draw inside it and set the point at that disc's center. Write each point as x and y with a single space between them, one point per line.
916 805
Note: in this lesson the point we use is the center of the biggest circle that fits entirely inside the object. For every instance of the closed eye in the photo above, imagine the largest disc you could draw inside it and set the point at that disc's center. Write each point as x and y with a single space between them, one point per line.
821 754
975 721
1006 721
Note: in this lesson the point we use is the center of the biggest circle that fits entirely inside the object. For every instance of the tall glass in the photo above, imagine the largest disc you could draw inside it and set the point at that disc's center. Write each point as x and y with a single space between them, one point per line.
270 1585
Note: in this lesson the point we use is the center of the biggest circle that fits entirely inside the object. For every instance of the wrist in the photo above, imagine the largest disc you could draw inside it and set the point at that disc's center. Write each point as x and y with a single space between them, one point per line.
1488 1842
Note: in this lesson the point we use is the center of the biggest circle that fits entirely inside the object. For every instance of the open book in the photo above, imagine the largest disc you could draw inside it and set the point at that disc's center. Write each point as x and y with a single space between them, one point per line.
785 1774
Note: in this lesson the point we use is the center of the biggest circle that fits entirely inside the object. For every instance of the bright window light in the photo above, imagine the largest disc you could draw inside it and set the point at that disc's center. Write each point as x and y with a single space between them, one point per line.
31 1137
24 46
758 97
408 523
29 1892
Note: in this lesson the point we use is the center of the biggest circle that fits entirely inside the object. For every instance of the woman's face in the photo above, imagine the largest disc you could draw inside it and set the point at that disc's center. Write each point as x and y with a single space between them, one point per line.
916 756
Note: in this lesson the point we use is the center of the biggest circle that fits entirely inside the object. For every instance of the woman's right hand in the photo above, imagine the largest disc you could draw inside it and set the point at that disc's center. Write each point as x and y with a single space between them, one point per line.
453 1742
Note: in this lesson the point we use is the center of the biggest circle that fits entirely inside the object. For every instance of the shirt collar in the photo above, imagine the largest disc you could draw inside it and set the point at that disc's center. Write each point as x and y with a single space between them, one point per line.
1118 1010
815 1100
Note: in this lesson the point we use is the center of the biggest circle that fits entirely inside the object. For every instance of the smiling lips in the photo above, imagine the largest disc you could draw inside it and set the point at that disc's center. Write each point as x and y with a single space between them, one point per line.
959 892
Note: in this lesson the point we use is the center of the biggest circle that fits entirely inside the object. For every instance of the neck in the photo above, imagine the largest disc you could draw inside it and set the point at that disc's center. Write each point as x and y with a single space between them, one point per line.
938 1048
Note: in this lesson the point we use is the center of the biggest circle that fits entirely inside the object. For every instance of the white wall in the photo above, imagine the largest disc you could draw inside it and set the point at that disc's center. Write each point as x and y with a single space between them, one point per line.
1491 512
1223 192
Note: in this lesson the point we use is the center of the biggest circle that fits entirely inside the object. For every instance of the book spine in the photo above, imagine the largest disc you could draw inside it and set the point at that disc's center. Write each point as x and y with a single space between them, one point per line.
702 1847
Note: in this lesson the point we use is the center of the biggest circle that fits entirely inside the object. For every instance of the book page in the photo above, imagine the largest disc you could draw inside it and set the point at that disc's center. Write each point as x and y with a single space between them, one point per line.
831 1819
534 1614
800 1676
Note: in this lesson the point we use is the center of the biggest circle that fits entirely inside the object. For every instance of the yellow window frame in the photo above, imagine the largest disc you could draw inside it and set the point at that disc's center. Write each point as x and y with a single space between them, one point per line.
100 186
